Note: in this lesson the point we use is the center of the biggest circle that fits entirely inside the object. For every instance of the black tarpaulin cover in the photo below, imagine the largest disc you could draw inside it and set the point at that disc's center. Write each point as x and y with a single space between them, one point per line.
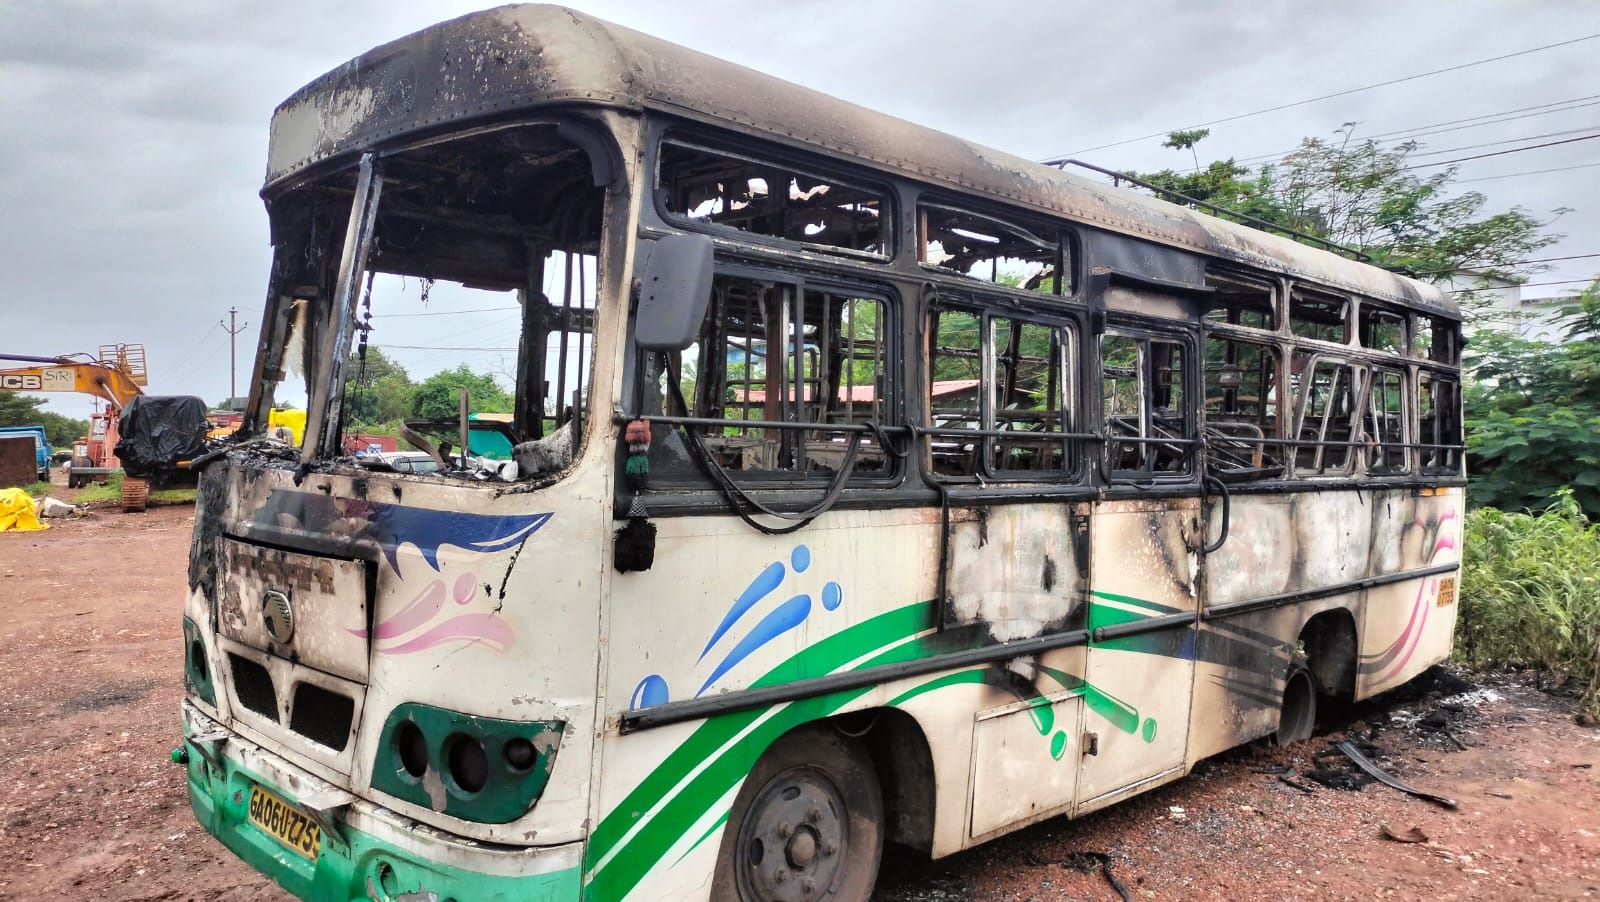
158 431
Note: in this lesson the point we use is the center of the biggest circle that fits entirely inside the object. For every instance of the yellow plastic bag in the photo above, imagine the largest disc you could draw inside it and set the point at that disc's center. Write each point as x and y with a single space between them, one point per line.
17 512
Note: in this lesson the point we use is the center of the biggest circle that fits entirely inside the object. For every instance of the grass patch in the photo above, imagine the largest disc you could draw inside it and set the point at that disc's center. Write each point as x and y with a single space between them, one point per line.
111 490
38 489
1530 593
174 496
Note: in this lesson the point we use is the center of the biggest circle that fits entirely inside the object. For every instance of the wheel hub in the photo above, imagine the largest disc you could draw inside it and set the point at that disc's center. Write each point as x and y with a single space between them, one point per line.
791 844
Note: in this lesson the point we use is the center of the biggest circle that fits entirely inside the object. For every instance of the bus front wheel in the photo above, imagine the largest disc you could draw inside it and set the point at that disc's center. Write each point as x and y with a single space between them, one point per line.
807 824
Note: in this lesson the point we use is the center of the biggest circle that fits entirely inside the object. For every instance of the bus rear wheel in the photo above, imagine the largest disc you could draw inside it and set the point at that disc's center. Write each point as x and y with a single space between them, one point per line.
1298 717
806 826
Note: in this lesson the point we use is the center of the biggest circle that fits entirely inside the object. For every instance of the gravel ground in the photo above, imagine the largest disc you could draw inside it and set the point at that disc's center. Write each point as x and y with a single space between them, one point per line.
90 807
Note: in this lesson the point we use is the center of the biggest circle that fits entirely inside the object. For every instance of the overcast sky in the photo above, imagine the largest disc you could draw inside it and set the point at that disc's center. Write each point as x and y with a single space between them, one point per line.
133 134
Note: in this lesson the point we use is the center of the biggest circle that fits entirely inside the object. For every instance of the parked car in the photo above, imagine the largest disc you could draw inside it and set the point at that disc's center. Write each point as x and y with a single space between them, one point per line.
398 462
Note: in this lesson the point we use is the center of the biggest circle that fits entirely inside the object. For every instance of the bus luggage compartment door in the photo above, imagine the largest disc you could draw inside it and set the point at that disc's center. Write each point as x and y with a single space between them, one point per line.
1024 763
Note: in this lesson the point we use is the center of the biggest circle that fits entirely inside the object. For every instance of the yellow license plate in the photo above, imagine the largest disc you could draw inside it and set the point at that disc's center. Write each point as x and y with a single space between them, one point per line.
285 823
1447 591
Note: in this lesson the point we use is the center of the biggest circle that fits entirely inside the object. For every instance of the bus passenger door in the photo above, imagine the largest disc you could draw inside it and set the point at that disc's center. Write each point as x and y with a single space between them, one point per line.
1145 547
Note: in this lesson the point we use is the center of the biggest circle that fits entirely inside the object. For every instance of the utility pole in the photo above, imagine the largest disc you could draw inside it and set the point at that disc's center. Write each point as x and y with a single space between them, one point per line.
233 328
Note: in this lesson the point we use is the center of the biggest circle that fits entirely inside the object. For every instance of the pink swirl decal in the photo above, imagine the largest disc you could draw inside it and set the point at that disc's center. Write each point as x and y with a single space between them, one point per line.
1395 657
419 611
486 628
423 613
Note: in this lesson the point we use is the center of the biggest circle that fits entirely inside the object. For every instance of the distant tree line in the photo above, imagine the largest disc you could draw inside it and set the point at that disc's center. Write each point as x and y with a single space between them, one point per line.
26 410
379 393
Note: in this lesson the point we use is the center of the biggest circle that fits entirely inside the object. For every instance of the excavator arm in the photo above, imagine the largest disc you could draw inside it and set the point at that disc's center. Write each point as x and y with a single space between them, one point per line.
117 376
107 380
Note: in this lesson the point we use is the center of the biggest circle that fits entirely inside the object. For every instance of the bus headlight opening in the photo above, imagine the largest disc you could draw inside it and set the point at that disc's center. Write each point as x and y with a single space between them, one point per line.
493 770
412 749
469 766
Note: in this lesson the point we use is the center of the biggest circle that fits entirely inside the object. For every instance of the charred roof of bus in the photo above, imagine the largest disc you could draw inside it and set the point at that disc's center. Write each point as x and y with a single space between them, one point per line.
500 63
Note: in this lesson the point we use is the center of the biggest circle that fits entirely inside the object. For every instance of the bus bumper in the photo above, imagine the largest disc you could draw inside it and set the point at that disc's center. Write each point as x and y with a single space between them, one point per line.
366 851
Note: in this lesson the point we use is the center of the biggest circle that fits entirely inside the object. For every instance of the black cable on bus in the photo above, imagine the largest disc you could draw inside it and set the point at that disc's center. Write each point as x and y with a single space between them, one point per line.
738 499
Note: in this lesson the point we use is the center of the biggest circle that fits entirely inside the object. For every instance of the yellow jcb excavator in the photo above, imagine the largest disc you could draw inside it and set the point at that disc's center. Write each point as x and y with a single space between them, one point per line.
117 376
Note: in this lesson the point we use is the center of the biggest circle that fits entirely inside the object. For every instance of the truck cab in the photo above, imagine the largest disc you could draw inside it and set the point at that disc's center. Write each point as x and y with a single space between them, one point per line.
41 445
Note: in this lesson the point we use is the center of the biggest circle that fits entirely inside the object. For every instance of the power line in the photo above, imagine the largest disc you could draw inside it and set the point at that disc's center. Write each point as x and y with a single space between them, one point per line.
1523 285
1557 259
173 369
1510 175
444 312
1501 153
1570 131
1298 103
1545 109
1422 131
1435 272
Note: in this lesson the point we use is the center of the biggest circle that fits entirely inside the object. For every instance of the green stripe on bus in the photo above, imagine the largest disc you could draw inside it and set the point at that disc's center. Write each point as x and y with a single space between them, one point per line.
638 853
1154 608
949 679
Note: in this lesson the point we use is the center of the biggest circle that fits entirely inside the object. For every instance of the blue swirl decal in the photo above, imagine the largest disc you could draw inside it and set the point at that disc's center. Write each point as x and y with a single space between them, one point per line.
763 586
653 690
784 618
391 526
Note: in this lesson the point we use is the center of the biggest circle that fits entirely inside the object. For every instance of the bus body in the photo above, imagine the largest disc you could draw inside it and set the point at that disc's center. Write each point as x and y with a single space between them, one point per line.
1073 488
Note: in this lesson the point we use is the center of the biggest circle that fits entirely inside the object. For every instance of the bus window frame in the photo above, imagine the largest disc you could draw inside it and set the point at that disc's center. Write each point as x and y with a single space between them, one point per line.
1184 338
1375 447
1067 246
1270 449
1219 273
988 435
754 150
1313 292
1357 372
801 282
1430 442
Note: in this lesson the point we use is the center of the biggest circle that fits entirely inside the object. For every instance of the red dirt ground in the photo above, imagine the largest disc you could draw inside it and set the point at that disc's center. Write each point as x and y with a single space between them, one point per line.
91 808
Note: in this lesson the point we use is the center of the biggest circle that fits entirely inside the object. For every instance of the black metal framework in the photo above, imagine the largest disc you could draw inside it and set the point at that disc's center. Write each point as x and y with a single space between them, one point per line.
1258 377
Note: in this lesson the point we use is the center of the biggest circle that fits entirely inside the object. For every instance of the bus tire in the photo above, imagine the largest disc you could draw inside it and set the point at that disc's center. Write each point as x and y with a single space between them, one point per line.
1297 718
806 825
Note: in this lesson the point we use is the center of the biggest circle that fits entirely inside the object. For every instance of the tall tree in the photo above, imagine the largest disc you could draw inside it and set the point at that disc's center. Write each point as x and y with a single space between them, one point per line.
1533 414
377 392
1369 196
438 396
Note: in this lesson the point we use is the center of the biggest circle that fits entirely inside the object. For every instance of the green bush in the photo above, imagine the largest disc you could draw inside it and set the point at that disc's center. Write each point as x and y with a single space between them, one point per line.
1530 592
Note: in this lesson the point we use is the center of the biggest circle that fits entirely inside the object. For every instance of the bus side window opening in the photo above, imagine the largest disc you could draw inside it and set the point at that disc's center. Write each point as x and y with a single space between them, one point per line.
1148 426
778 352
1325 408
1387 422
1241 408
1242 301
727 190
1000 396
1319 316
1016 252
1383 330
1438 414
